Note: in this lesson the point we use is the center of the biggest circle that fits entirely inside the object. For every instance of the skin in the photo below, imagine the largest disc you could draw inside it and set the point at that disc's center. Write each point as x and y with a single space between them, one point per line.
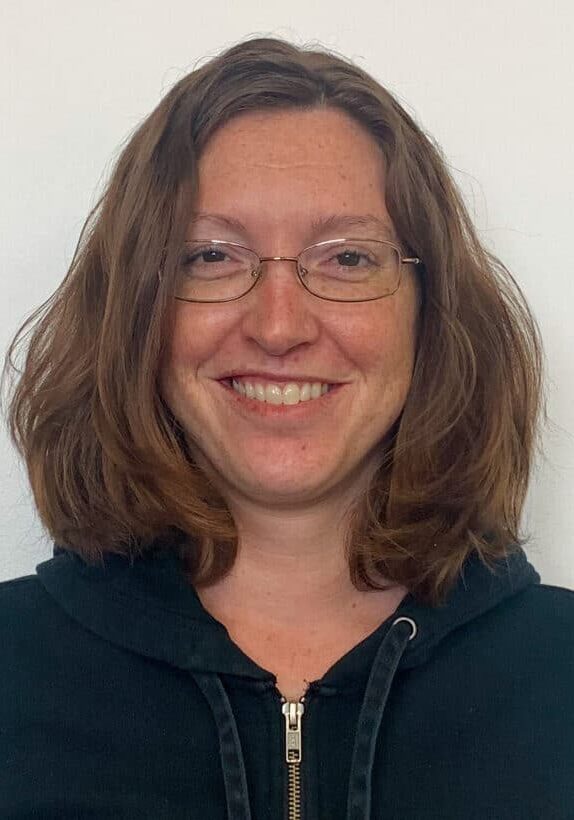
289 484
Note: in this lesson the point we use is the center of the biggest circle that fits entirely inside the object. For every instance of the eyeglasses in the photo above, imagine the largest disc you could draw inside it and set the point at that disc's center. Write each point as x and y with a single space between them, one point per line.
340 270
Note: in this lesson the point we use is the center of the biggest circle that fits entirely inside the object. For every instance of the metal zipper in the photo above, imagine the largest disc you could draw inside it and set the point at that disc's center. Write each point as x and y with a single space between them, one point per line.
293 711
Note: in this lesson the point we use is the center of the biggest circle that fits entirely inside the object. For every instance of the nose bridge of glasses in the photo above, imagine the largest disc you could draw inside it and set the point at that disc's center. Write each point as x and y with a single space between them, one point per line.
278 259
294 259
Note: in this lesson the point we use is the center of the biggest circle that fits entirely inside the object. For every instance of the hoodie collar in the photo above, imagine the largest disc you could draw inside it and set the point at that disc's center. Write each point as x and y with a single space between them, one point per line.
148 606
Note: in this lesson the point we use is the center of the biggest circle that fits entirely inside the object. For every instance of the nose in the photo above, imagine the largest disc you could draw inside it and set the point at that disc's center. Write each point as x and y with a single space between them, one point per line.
279 313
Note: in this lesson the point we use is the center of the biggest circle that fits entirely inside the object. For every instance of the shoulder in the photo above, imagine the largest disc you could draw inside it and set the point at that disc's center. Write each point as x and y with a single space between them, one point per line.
561 596
544 607
25 610
539 613
31 624
528 638
21 596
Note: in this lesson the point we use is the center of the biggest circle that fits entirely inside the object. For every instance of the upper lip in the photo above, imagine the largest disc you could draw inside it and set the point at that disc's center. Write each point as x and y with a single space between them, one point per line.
274 377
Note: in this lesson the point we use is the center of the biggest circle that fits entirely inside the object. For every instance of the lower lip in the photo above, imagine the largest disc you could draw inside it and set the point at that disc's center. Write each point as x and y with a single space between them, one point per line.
265 409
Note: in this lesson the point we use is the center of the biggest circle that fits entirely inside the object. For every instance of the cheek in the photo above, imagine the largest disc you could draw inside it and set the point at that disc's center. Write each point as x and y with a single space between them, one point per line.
382 341
179 361
198 336
194 335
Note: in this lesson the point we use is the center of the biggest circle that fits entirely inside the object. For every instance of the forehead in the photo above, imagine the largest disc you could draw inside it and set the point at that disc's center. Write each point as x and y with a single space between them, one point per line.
284 137
291 166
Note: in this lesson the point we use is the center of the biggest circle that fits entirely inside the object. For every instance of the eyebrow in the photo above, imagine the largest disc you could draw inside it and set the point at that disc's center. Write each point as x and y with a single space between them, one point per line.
319 225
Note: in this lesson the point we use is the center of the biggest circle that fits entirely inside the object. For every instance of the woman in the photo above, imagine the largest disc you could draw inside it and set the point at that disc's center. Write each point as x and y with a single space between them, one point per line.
279 420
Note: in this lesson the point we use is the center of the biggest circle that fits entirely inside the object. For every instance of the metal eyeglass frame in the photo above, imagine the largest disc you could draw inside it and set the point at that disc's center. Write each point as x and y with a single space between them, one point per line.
403 260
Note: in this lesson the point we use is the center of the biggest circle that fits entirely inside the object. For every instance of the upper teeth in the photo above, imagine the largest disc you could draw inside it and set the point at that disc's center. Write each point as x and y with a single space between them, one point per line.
291 393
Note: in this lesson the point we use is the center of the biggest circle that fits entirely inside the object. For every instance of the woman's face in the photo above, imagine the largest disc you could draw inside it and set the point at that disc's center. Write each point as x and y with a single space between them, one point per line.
276 173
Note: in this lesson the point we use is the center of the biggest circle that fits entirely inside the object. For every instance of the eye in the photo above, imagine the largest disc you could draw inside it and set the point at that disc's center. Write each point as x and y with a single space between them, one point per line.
206 255
212 255
349 258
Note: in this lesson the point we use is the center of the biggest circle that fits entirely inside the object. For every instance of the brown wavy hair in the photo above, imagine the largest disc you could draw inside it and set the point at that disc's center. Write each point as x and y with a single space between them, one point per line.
107 461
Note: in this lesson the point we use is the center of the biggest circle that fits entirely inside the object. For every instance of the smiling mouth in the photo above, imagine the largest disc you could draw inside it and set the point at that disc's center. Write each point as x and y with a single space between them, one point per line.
269 395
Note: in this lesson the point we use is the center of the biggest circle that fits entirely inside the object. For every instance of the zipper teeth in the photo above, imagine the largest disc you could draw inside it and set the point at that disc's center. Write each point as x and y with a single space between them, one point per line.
294 791
293 713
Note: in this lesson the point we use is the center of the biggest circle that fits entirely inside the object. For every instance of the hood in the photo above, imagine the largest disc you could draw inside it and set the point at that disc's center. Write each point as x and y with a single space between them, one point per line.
149 607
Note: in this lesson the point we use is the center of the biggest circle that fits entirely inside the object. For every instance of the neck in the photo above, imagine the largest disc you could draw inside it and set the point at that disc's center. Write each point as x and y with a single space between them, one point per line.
290 570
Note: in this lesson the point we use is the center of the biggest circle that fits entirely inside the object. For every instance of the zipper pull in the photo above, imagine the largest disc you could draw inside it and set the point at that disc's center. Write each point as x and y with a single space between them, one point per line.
293 711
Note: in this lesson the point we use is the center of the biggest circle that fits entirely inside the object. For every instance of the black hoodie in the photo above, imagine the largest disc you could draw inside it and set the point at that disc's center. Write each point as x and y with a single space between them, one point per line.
122 697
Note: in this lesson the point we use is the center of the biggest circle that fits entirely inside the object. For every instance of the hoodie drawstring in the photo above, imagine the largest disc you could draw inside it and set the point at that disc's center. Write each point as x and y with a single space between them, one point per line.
378 687
232 762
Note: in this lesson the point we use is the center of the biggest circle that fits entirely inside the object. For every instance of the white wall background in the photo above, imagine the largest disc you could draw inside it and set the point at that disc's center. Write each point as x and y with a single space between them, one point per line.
492 81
